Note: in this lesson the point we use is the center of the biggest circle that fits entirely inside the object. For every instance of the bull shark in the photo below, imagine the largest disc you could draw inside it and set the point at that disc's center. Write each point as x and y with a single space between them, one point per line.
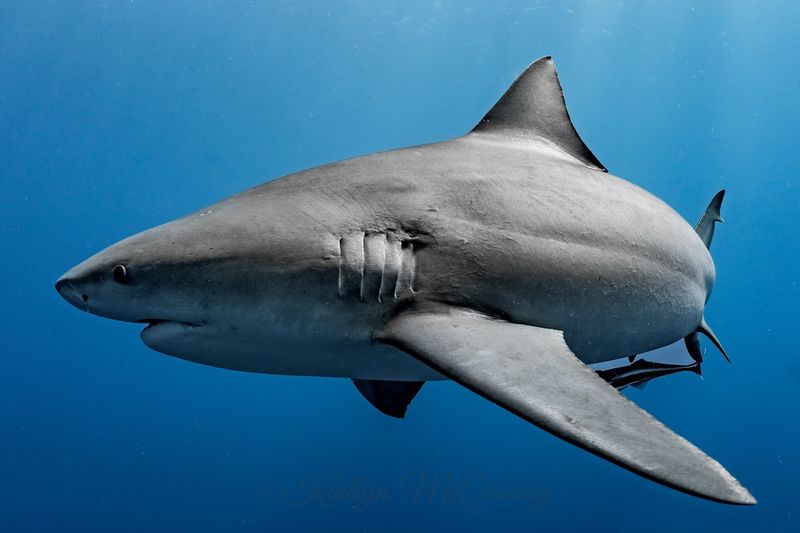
507 260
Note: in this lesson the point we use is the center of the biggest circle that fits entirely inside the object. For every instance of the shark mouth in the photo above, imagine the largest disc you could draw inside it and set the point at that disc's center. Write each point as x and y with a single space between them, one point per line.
172 337
153 323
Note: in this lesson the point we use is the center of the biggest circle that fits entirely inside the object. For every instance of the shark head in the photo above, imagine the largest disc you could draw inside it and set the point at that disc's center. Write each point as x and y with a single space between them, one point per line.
141 279
175 278
217 287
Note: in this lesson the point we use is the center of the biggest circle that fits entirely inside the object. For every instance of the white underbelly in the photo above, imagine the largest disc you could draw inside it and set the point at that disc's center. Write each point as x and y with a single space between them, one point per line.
270 353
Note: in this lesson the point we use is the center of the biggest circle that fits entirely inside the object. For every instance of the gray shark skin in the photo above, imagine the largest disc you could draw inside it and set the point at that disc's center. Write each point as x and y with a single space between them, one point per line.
506 260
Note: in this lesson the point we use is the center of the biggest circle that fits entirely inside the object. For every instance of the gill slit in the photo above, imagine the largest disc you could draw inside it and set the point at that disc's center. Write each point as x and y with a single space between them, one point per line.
363 264
341 269
383 267
413 268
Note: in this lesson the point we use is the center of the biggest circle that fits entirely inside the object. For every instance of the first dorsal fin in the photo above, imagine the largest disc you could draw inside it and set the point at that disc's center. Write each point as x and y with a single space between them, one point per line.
534 107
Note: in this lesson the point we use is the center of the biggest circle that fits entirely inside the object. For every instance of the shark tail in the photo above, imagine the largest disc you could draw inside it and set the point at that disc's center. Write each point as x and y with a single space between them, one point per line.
705 230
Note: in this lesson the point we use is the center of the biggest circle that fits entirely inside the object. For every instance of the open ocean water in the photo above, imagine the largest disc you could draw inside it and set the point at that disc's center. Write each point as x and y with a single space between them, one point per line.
116 116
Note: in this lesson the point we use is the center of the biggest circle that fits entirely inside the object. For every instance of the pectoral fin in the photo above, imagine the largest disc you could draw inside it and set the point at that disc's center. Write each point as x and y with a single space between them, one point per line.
531 372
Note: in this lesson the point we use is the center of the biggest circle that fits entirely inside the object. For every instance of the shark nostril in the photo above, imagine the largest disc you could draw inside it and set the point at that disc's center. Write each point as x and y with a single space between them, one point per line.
84 297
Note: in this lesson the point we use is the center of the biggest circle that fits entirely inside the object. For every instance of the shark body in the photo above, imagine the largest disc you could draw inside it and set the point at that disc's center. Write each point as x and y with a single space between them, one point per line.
506 260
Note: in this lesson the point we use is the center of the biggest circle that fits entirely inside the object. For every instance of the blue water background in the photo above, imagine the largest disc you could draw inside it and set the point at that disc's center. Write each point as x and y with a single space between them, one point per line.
117 116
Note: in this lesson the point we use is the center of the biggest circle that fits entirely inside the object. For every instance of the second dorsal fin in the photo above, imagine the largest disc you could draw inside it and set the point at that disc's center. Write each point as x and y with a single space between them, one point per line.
534 107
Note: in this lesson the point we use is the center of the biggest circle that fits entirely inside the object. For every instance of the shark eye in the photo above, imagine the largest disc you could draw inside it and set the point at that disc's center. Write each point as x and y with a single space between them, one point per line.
120 274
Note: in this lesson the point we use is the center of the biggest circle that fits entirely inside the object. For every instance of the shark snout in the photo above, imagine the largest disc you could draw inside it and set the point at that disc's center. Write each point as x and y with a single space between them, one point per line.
90 287
106 286
82 286
72 292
